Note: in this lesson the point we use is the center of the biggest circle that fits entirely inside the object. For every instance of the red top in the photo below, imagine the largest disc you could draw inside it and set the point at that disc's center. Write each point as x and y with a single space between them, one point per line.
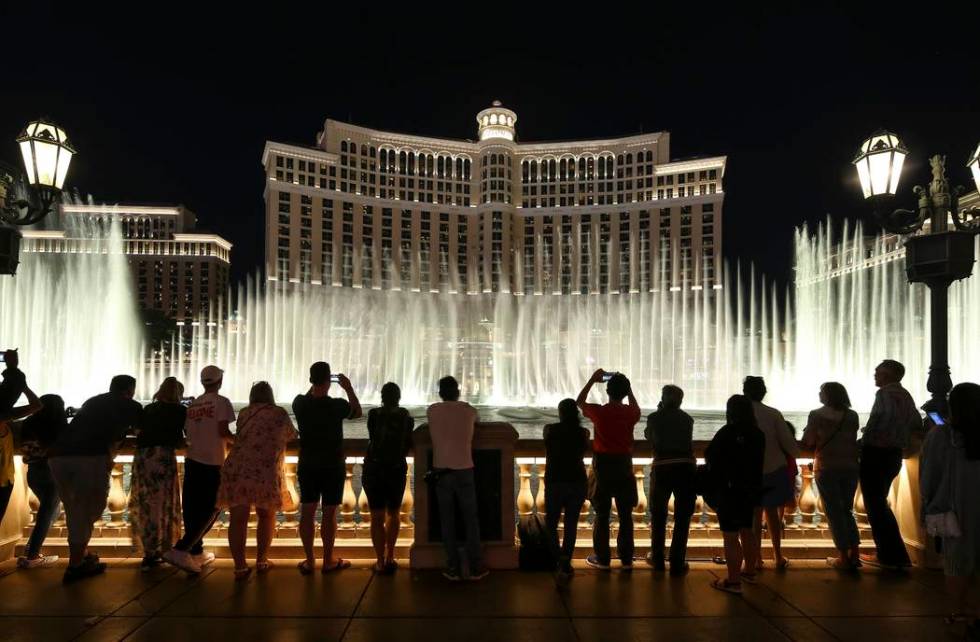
614 424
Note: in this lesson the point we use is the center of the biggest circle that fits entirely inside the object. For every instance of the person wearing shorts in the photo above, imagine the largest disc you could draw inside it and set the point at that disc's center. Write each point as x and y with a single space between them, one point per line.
321 471
734 458
384 473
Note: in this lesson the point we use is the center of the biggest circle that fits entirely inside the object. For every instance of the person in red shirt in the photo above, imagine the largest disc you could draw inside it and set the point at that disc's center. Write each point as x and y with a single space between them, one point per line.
612 465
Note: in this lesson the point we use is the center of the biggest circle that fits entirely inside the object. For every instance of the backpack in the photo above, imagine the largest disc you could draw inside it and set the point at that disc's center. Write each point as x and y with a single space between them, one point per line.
536 549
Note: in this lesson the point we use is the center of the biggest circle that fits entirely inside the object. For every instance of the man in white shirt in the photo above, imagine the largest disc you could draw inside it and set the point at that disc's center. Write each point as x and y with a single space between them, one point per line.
208 436
451 425
777 486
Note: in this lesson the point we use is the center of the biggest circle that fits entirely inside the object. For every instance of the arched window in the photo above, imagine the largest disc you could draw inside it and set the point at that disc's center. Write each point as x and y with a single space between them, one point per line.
466 169
373 151
364 150
581 167
629 159
402 162
602 167
619 161
493 159
551 170
343 145
459 168
384 159
411 163
649 156
493 119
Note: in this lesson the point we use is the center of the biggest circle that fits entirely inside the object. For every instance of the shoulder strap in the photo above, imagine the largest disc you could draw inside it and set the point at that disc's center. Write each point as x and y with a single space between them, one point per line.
840 426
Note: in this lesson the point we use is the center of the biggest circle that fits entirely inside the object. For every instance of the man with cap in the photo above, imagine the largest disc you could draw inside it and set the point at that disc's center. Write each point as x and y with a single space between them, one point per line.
208 436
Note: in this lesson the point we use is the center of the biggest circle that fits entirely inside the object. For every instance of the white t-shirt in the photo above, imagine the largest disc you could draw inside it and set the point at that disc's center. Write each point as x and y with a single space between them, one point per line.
779 440
451 426
205 444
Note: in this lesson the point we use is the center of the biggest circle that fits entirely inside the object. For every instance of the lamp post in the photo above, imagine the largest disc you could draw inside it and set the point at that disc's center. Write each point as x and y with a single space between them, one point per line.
934 254
27 197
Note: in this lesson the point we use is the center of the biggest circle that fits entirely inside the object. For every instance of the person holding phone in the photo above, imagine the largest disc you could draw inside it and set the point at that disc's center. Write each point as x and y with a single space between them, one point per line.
831 431
321 471
612 465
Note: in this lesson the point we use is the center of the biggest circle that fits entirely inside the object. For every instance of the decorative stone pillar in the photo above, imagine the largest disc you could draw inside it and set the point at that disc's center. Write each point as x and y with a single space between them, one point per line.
539 503
525 501
118 499
860 512
290 509
363 508
640 510
348 502
696 523
808 498
408 502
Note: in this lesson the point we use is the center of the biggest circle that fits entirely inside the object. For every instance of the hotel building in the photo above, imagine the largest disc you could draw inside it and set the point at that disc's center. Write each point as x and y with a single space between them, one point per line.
372 209
176 269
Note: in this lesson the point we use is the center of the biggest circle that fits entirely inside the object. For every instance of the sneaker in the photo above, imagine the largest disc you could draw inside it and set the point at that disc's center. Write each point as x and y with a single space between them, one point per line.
150 562
626 565
39 561
452 575
656 562
478 574
594 562
871 559
203 558
88 568
182 560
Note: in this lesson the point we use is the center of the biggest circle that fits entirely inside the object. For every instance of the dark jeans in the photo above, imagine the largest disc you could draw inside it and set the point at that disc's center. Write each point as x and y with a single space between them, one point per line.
837 491
199 496
879 467
666 480
456 488
615 482
568 497
41 483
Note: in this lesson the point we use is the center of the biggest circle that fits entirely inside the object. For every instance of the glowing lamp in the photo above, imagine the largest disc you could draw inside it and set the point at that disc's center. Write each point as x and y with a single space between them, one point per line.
974 165
47 154
879 164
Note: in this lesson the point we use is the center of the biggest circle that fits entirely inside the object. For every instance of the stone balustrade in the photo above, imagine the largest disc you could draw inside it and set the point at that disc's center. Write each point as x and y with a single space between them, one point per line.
804 521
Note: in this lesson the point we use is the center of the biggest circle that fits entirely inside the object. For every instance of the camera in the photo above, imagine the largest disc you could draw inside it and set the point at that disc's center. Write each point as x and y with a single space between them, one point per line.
71 411
607 376
335 378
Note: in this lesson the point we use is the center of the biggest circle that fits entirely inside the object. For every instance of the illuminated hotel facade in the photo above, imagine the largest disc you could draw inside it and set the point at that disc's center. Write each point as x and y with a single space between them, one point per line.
177 270
372 209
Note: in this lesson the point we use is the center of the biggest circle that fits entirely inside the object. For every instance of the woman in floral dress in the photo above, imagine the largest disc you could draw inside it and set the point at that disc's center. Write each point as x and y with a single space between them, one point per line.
252 475
154 497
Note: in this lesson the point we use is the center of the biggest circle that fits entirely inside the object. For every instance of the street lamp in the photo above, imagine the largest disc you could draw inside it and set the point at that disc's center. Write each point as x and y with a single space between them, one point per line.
27 197
934 254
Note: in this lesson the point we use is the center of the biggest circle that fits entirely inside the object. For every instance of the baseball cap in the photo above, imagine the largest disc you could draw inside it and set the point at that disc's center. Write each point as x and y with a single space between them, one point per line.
211 374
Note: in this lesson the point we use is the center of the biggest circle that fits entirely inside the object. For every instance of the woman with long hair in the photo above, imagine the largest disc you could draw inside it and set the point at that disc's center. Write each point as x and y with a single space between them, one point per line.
252 475
40 431
154 496
831 430
950 477
385 470
735 458
565 480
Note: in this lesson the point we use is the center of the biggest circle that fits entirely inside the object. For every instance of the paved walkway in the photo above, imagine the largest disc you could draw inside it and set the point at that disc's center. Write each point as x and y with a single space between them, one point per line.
805 603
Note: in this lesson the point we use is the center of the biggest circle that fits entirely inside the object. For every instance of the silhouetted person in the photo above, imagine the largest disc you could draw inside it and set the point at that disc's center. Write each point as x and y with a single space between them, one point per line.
452 424
385 472
831 431
81 460
735 457
208 436
612 464
41 430
322 469
949 482
893 418
565 444
670 431
10 390
777 489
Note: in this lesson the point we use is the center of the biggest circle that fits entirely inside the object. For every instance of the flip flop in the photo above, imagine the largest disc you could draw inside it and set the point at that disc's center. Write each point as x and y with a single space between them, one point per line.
340 565
735 588
264 567
241 574
305 568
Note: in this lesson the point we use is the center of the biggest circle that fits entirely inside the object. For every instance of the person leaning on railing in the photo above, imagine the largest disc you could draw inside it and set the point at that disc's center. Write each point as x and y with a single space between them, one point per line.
670 431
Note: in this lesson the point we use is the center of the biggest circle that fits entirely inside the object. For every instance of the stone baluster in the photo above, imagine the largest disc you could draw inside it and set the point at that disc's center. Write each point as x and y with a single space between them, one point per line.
348 502
408 501
583 517
539 503
525 501
640 510
363 507
696 522
118 499
290 509
791 510
808 498
860 512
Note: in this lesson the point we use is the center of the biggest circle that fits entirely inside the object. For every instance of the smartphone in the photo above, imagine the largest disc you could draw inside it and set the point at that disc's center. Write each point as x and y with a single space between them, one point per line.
186 401
334 378
936 418
3 357
607 376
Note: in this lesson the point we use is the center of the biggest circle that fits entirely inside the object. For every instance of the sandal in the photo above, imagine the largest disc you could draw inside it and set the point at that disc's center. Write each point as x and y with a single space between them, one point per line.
836 564
735 588
264 567
339 565
305 568
241 574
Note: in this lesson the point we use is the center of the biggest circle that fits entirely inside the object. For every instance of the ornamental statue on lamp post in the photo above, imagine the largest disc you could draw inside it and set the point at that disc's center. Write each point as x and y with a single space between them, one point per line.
29 196
934 254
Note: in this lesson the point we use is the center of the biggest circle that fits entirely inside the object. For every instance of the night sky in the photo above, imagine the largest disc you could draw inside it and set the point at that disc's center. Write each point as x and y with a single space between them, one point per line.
175 107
